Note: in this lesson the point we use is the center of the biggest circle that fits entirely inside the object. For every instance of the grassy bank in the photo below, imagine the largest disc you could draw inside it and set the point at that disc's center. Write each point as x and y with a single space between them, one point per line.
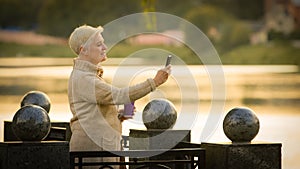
19 50
272 53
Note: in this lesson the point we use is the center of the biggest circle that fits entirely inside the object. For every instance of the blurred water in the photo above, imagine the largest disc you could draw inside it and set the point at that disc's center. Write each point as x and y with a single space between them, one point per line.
271 91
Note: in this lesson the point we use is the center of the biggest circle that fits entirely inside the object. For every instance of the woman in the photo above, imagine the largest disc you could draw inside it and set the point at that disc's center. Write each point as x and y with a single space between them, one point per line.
96 121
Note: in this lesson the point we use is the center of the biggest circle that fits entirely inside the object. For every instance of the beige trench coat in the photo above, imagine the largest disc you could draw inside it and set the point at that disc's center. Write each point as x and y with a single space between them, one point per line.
95 125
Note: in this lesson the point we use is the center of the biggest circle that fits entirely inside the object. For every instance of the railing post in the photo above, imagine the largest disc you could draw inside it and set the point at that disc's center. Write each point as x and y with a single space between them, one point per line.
202 160
80 162
192 162
72 161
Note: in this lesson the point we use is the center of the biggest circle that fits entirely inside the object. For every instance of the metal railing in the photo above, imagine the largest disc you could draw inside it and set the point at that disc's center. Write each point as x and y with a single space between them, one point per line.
193 158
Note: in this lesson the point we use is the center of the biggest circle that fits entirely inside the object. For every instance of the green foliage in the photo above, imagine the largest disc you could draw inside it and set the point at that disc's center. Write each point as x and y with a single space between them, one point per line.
242 9
120 50
221 28
18 14
175 7
272 53
207 16
59 17
237 34
19 50
275 35
123 50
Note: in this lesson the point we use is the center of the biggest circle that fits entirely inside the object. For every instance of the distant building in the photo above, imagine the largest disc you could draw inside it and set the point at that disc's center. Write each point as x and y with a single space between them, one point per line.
282 15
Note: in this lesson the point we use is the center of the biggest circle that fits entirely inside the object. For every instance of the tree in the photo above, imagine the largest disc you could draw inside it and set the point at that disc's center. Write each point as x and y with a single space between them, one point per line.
59 17
18 14
223 29
241 9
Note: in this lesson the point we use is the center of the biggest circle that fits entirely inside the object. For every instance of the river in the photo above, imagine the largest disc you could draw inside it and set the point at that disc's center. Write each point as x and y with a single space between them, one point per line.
199 93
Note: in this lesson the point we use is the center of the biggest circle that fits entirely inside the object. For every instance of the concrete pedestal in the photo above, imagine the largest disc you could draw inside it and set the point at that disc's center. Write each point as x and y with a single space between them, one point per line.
242 156
60 131
29 155
157 139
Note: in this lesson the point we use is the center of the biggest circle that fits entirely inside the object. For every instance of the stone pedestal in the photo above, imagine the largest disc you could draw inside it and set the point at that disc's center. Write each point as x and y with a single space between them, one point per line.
157 139
29 155
242 156
60 131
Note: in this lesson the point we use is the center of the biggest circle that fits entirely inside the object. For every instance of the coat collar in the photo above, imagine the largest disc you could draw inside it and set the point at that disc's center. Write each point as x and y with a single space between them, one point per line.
84 65
88 67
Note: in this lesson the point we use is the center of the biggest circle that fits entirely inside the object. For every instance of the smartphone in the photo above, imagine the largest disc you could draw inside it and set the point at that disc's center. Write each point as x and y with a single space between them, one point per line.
168 60
128 110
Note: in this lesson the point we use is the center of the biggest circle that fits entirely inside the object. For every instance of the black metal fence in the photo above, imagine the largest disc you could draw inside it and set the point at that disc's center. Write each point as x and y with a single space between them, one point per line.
193 158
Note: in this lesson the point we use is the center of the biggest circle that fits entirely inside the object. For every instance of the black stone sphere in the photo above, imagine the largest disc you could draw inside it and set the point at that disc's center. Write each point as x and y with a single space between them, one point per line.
36 98
159 114
31 123
241 125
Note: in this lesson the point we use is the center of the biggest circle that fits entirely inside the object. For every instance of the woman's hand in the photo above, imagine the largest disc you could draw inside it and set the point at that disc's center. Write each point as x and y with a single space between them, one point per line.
122 117
162 75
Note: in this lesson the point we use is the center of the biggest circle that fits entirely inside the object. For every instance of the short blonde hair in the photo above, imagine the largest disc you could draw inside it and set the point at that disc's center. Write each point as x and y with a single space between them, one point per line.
80 36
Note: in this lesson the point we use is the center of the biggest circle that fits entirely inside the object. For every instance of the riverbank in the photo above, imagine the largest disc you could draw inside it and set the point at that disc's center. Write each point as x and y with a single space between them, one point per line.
31 45
276 53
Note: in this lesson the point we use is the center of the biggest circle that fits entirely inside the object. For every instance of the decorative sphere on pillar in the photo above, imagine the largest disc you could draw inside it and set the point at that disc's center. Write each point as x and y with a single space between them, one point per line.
31 123
241 125
159 114
36 98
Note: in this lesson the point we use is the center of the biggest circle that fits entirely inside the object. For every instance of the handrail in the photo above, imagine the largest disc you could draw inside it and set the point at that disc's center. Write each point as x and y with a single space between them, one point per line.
195 157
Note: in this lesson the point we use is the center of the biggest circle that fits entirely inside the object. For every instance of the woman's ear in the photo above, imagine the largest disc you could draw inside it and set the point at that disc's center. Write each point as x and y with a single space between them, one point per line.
82 50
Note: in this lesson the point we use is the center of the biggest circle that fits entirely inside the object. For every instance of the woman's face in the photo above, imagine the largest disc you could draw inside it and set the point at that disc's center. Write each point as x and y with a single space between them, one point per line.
97 50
